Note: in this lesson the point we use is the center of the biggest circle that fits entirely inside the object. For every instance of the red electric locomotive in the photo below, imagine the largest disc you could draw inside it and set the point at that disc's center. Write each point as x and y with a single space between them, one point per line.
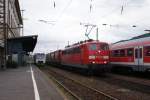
89 55
132 54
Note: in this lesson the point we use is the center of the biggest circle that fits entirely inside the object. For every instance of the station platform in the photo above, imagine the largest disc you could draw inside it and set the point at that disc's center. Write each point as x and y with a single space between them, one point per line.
27 83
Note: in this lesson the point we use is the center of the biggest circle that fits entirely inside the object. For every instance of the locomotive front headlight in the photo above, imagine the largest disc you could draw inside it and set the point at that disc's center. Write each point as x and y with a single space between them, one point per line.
93 62
99 51
92 57
105 62
105 57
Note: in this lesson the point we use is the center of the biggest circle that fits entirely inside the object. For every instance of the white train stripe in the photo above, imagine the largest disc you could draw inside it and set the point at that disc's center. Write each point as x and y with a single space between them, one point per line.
123 63
147 64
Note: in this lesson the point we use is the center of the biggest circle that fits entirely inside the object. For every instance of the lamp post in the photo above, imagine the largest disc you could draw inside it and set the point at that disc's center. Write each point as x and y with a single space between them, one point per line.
97 33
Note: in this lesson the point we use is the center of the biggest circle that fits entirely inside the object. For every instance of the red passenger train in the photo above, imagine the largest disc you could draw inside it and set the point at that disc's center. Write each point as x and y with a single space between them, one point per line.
89 55
133 54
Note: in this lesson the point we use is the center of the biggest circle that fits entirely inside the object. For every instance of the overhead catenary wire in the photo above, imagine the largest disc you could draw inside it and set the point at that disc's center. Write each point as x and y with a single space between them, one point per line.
64 9
123 5
125 2
106 15
62 12
91 9
54 4
137 23
91 6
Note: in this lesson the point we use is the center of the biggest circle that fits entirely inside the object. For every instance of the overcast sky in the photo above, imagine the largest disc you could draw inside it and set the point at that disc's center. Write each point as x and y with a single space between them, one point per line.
63 20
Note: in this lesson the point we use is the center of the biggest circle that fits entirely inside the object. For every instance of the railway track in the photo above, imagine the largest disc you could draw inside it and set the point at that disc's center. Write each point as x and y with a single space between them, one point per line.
136 84
139 80
78 90
118 88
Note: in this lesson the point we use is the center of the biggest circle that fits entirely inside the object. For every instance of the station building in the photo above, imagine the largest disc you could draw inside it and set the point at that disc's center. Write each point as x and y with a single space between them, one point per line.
12 42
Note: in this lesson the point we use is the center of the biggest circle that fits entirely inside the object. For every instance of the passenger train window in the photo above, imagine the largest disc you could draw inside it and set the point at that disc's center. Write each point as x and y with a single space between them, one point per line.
115 53
147 51
130 52
93 47
122 52
112 53
136 53
140 50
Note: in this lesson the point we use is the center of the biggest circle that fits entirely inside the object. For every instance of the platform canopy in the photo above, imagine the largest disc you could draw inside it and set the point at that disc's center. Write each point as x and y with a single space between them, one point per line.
24 43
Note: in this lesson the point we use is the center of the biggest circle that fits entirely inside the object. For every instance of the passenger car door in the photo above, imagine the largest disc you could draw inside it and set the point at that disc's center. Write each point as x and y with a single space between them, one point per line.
138 56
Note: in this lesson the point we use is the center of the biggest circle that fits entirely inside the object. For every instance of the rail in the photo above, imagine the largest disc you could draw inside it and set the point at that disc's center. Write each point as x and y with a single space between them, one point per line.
100 93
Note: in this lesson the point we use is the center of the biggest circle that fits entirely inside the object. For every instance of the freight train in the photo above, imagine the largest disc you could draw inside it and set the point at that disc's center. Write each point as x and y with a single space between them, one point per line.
89 55
132 54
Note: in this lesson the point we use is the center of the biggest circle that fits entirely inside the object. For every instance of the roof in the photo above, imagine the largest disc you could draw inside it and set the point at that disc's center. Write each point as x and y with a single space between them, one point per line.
135 41
28 42
18 11
90 41
142 36
136 37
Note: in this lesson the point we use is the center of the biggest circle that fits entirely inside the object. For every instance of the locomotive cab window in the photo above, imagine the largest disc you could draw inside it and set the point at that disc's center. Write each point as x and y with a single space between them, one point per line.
93 47
104 47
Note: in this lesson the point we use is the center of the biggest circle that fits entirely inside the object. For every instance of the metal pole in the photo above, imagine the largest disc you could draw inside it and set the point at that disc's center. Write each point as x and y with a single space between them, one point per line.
68 43
97 33
5 35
